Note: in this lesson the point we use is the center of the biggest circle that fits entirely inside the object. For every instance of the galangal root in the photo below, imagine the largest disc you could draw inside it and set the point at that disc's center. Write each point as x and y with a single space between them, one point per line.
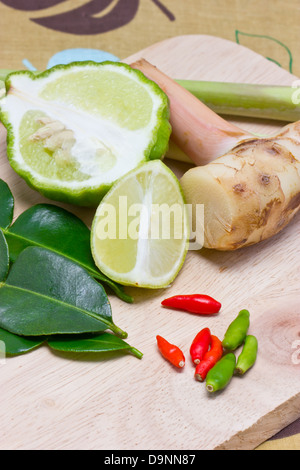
250 186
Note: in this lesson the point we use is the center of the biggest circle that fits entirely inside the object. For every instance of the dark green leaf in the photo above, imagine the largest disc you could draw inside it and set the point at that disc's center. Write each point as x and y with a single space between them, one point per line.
103 342
46 294
15 344
6 205
4 257
58 230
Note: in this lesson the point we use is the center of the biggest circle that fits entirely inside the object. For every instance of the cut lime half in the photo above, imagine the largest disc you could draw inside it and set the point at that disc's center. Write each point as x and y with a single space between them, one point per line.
140 231
76 129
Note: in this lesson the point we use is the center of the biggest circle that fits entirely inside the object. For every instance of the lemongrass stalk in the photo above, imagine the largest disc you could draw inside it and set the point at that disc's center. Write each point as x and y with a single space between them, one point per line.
241 99
197 130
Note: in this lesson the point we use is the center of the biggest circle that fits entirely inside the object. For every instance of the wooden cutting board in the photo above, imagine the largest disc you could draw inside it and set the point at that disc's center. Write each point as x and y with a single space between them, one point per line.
56 401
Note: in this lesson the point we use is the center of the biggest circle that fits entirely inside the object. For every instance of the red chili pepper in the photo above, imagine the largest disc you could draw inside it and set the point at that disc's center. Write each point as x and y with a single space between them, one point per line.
200 345
170 352
210 359
196 303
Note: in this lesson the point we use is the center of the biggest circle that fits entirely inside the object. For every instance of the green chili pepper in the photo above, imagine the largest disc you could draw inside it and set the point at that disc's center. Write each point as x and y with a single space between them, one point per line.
237 331
220 375
248 355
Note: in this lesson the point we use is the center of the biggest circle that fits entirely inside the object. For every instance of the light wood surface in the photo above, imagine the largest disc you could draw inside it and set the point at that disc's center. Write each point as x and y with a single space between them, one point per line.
60 401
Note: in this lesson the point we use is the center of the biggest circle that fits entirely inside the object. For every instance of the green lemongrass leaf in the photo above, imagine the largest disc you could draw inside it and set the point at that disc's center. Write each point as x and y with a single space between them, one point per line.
46 294
104 342
6 205
15 345
4 257
56 229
